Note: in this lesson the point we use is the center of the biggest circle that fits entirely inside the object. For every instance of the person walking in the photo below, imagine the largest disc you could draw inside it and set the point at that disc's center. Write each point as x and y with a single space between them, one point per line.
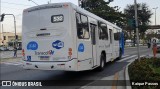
15 51
154 49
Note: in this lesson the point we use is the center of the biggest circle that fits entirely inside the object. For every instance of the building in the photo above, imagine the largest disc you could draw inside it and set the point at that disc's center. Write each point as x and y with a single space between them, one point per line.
6 37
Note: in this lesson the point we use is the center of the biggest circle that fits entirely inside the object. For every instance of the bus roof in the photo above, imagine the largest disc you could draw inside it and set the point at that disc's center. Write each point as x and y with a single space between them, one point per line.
60 5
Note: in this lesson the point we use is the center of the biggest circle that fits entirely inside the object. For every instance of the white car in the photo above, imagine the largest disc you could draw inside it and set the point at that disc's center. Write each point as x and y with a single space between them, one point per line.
3 48
158 47
10 48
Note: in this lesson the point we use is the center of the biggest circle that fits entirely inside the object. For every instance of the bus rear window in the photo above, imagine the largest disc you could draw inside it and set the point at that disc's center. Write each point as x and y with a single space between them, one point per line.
57 18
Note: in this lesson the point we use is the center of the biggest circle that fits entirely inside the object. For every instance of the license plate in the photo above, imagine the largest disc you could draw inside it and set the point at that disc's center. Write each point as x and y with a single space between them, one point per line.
44 57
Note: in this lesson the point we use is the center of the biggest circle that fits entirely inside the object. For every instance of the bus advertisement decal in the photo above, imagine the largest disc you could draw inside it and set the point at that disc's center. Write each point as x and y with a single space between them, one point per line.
58 44
32 45
81 47
28 58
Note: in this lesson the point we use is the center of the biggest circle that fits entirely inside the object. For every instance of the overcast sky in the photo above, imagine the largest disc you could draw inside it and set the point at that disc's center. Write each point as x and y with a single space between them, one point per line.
16 7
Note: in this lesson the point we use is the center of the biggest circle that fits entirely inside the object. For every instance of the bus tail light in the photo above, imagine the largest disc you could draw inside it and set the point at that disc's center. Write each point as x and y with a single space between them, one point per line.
70 52
23 53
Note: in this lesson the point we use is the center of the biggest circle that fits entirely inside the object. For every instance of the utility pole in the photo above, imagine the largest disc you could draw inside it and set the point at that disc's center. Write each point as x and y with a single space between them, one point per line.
155 14
137 33
0 21
2 35
2 18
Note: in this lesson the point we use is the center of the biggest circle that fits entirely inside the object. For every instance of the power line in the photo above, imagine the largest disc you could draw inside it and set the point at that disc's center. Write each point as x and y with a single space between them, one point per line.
16 4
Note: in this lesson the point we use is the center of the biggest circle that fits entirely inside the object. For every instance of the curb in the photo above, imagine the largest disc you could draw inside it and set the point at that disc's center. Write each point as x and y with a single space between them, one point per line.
128 84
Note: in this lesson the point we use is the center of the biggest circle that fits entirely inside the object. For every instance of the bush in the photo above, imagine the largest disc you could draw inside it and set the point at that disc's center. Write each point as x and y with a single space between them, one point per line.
143 70
156 62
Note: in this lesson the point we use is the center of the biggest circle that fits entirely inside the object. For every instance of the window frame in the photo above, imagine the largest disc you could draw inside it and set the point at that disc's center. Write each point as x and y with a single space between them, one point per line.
117 36
103 31
80 14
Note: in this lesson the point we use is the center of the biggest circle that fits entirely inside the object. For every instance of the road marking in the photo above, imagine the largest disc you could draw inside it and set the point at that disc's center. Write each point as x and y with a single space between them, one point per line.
85 86
127 58
114 83
12 63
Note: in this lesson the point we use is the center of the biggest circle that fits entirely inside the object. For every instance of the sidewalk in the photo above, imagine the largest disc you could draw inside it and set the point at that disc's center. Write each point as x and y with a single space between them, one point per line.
9 54
13 59
151 55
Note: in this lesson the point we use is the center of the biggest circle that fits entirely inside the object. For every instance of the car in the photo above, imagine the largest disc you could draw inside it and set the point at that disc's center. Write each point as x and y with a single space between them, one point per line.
10 48
3 48
158 47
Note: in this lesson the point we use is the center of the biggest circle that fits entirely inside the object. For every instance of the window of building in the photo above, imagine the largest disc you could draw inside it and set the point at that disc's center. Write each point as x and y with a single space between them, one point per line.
4 37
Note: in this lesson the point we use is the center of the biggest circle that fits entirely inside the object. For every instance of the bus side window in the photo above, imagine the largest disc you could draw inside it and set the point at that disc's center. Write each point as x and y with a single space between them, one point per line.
110 32
116 34
82 26
103 33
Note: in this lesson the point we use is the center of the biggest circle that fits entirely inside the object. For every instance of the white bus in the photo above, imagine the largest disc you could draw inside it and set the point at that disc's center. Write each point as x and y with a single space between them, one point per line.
63 36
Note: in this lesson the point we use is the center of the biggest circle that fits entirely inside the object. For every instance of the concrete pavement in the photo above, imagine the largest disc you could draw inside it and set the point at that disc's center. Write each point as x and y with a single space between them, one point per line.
9 54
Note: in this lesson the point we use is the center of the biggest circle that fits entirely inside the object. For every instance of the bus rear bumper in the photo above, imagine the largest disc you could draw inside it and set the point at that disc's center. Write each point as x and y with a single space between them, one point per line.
66 66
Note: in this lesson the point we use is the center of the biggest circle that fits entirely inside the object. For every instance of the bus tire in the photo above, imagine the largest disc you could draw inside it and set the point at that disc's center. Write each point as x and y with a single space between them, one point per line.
102 62
120 54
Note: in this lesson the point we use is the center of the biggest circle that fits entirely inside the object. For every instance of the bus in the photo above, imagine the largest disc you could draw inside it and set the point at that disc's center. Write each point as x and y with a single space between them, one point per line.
63 36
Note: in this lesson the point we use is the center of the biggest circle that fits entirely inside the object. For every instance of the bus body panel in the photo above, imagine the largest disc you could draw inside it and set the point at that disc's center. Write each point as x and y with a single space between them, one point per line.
46 41
52 45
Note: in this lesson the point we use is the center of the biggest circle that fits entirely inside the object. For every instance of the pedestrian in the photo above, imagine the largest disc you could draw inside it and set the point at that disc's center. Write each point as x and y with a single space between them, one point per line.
154 49
15 51
149 45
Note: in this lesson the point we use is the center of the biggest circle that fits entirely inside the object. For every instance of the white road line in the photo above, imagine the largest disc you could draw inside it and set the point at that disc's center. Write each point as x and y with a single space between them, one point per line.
12 63
126 58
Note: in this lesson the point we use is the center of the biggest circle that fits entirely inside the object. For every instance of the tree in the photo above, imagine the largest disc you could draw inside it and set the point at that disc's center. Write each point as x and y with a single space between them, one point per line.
143 17
101 9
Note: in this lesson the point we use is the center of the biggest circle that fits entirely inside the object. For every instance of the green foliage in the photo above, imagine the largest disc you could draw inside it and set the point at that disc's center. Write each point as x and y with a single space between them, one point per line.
156 63
143 16
135 72
144 70
101 9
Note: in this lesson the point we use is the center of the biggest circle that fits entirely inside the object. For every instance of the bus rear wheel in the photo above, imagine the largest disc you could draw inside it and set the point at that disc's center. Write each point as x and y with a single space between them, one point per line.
102 62
120 54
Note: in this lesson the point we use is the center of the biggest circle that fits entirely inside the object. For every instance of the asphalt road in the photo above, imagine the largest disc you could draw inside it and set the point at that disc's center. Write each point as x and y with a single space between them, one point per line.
16 72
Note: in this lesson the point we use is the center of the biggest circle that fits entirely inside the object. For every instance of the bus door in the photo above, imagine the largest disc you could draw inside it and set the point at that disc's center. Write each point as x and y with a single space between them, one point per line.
111 43
94 30
84 46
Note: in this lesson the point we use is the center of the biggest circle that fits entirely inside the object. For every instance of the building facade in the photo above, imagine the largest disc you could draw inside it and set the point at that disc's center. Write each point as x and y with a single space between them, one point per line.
6 37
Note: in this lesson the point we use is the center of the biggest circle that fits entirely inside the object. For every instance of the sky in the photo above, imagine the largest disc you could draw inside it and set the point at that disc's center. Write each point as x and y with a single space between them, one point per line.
16 7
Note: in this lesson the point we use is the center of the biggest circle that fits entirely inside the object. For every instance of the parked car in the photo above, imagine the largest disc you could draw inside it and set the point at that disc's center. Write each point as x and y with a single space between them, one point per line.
3 48
10 48
158 47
